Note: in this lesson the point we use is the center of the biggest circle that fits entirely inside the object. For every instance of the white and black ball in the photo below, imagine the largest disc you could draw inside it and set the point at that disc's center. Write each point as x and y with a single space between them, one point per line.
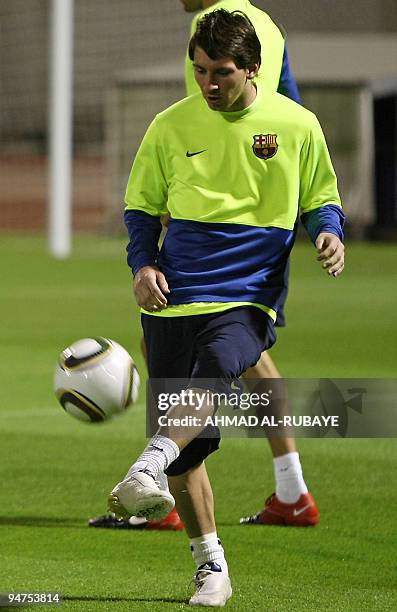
95 379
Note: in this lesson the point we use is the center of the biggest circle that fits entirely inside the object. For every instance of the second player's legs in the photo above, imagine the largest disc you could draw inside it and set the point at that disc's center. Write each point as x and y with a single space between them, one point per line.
265 369
292 504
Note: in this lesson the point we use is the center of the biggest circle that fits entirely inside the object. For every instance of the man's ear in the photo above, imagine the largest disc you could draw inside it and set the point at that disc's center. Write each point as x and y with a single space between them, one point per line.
253 71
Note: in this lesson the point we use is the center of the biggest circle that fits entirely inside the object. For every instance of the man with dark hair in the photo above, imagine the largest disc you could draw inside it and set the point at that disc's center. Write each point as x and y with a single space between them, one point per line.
232 166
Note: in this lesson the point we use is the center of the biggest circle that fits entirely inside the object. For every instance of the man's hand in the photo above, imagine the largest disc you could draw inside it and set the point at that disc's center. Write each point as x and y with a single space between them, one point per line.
331 253
149 288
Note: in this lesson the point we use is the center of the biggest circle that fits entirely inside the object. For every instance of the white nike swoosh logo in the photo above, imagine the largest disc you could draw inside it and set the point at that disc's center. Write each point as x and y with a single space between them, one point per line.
298 512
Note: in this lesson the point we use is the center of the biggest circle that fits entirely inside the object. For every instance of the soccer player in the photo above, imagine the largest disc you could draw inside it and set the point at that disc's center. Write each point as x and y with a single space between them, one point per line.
291 504
232 165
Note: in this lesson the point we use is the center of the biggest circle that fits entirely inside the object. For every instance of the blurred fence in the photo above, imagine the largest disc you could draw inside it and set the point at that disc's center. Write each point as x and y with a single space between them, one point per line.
108 37
111 38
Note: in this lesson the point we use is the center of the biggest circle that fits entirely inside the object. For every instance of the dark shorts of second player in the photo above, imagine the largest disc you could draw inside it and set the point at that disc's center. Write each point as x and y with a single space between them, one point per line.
280 320
215 346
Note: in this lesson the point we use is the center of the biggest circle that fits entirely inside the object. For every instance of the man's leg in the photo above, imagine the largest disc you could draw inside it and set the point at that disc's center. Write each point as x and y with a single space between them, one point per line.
194 499
218 347
170 354
195 503
291 504
264 369
241 335
140 492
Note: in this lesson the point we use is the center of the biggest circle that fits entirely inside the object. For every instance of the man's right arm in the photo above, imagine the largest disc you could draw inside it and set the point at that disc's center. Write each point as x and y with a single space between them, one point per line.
146 201
143 232
150 285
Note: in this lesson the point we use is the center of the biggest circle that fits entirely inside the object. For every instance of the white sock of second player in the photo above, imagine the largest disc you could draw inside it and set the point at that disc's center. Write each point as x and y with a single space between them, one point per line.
290 484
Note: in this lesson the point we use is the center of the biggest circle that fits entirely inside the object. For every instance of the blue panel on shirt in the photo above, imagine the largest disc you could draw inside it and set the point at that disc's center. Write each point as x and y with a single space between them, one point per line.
221 262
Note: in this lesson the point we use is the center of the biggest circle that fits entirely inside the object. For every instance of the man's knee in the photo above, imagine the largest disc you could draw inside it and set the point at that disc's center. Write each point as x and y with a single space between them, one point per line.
213 364
184 479
222 360
195 452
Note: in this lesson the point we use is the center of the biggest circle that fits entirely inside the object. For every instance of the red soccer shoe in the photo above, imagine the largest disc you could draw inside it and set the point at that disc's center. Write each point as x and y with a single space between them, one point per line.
172 522
303 513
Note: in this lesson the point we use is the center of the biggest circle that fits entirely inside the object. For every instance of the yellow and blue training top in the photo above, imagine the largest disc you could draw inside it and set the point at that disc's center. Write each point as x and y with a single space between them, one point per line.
233 184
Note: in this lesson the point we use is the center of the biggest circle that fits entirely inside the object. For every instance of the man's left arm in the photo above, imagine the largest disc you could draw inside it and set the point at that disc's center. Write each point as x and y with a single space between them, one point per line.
321 211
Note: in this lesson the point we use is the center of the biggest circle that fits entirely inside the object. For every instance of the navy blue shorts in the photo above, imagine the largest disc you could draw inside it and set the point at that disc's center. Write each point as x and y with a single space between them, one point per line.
218 346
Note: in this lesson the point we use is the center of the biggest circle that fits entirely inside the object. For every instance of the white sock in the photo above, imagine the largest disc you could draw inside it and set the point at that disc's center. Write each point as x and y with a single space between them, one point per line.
157 456
290 484
208 548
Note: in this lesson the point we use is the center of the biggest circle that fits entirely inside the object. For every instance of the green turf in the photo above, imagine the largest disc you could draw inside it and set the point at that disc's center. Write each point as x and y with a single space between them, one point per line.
56 472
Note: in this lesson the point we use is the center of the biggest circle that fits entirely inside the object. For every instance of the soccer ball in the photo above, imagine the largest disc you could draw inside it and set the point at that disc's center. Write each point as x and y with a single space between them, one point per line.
95 379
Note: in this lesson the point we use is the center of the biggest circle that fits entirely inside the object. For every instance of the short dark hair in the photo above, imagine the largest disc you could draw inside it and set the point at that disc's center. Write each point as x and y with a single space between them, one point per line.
224 34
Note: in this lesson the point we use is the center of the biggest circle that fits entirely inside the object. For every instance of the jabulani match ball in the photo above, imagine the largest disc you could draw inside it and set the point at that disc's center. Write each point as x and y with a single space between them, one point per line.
95 379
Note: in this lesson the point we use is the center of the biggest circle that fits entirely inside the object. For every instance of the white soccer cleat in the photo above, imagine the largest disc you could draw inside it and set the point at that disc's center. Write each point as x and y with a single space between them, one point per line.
213 586
139 495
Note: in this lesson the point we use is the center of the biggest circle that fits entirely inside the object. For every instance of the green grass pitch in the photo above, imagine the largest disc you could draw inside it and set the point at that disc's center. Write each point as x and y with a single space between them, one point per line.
56 472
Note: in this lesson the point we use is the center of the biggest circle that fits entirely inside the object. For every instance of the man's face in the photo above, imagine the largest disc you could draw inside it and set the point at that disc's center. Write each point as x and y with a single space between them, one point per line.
191 6
224 86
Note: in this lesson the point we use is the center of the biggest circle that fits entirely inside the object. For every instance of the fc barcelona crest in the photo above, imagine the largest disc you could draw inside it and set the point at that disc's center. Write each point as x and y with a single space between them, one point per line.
265 145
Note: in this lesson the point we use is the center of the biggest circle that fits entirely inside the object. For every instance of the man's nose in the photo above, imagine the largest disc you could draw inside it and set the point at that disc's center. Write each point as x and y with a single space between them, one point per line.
212 84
